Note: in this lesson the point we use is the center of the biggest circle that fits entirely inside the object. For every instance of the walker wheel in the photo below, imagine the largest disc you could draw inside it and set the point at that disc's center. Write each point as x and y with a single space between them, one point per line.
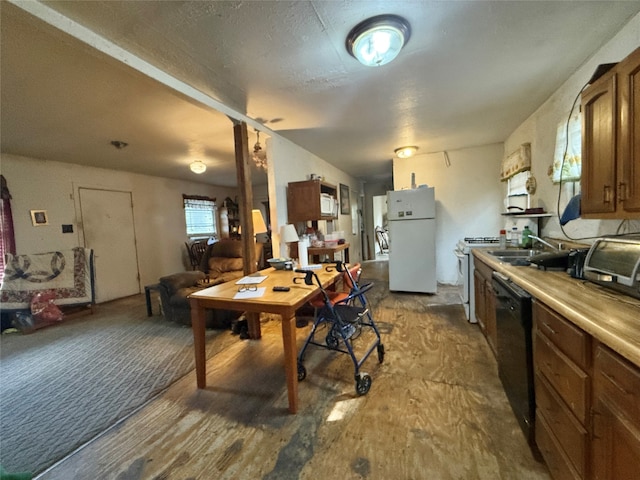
302 372
363 383
380 353
332 339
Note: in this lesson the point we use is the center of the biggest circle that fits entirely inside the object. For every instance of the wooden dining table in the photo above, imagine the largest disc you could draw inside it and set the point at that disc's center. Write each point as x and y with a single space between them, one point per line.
225 296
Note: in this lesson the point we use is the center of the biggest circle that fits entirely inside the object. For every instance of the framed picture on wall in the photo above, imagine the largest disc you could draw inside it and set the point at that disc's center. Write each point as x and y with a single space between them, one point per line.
39 217
345 202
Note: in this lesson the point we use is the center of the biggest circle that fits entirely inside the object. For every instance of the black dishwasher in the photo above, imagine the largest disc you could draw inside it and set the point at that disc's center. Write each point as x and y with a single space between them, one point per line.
515 351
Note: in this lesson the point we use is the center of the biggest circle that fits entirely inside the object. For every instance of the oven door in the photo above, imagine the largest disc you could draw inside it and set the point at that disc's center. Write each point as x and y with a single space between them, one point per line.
463 275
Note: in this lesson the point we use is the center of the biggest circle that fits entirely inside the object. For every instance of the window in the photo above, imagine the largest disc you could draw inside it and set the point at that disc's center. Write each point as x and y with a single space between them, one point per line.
200 215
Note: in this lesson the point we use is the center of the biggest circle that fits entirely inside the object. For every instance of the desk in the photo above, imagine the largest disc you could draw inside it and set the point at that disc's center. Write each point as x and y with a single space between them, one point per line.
284 304
315 252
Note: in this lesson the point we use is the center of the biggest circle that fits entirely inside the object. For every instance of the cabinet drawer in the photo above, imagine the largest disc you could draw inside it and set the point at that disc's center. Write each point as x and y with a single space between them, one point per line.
483 269
557 462
617 379
570 435
569 339
568 380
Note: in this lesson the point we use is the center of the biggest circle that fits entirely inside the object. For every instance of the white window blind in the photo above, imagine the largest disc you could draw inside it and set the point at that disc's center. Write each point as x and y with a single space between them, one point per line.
200 216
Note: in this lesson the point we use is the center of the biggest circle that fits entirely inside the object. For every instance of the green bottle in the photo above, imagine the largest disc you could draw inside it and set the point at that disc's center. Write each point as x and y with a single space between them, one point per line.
526 241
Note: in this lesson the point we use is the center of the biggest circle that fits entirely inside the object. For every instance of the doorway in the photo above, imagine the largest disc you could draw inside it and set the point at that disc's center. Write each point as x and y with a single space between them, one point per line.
108 228
380 227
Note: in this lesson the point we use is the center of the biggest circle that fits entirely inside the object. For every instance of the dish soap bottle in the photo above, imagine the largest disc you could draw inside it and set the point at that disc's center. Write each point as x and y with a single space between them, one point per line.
526 241
514 237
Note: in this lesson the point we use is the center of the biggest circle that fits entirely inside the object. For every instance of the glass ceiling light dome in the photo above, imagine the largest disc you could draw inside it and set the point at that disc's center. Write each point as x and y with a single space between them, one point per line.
405 152
198 167
378 40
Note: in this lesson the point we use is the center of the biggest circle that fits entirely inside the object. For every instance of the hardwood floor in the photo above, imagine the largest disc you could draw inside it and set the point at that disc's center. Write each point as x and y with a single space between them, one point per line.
436 410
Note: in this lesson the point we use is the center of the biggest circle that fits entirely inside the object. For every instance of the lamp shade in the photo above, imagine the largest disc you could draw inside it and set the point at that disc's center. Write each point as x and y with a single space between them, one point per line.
258 222
288 234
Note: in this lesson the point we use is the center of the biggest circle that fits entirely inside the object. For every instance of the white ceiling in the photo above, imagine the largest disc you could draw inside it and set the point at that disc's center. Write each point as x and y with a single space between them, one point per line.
470 74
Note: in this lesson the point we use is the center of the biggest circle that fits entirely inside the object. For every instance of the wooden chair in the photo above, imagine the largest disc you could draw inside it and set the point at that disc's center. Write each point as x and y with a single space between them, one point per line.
355 271
196 251
382 238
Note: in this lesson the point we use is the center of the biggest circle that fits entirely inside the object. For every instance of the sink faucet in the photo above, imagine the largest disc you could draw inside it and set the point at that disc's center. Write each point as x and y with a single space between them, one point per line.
559 247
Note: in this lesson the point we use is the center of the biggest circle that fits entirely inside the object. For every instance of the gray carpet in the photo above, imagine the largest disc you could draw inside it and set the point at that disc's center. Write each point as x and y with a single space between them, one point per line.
63 385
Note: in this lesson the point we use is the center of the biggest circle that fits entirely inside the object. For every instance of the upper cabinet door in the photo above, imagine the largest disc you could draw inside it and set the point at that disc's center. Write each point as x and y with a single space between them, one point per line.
599 146
629 132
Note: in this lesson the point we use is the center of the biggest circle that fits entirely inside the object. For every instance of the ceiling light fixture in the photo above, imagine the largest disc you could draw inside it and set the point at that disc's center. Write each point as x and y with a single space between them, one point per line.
405 152
378 40
259 156
198 167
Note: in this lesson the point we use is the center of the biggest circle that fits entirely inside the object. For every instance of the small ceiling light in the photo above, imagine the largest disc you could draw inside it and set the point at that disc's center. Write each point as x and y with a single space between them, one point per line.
198 167
259 156
378 40
405 152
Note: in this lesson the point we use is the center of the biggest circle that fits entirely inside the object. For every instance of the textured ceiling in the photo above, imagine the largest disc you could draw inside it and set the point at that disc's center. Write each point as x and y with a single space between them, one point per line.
471 73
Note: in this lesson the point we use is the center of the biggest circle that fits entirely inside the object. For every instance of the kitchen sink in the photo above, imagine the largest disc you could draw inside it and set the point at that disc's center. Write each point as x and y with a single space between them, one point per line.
514 257
513 253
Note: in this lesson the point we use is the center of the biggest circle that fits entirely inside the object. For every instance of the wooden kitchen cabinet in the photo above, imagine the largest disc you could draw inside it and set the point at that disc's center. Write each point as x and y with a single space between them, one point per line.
611 143
615 445
485 302
303 200
562 364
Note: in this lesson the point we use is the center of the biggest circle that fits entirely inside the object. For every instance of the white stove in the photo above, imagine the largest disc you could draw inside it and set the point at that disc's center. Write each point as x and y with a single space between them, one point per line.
465 270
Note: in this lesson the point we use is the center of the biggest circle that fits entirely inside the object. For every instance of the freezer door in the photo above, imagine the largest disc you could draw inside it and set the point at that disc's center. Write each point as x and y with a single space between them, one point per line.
411 204
412 256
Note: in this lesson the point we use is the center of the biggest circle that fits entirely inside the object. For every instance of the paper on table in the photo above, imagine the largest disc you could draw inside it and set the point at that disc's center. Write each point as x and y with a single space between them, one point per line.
249 280
250 294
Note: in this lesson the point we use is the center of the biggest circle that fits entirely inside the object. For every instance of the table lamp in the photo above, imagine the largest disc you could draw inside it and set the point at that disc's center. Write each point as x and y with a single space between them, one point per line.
288 234
258 222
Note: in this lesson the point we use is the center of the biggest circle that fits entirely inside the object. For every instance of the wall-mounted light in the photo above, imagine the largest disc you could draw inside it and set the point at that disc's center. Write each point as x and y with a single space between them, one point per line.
198 167
378 40
405 152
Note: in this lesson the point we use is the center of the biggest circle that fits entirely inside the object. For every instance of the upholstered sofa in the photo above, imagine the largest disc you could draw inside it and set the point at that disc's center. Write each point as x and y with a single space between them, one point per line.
223 260
174 292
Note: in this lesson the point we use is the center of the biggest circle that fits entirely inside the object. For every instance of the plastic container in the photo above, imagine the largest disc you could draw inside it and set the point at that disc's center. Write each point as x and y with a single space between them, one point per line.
526 241
503 239
515 237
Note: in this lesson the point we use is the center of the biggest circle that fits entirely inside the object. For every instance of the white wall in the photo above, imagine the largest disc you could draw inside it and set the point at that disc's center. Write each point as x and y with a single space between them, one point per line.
468 197
157 208
291 163
540 130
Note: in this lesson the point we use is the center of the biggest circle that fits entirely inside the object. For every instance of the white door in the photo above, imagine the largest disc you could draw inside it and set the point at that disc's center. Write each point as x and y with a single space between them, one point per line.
107 222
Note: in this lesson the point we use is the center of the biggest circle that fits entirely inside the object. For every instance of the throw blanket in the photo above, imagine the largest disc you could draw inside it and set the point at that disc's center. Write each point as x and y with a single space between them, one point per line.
69 273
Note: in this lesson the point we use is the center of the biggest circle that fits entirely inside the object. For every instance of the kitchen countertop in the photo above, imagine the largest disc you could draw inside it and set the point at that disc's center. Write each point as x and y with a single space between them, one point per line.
609 316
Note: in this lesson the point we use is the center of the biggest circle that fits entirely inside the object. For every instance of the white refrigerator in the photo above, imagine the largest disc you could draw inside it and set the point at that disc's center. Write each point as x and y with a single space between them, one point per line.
412 240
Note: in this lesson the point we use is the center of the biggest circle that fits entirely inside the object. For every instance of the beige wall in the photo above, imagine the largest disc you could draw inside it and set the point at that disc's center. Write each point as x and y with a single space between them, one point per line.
468 196
540 130
157 209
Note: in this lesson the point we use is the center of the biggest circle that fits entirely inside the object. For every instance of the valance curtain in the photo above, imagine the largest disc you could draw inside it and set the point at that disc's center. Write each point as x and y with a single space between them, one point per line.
569 147
200 215
518 161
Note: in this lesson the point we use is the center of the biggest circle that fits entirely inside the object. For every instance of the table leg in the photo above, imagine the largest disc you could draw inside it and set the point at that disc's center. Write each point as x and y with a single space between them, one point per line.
290 359
198 325
253 324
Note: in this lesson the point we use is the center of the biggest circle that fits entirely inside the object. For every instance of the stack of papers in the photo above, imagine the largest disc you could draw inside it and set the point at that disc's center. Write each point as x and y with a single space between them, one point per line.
249 280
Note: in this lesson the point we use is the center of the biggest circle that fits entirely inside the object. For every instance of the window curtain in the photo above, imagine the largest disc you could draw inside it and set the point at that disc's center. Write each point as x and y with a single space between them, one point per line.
569 148
518 161
7 235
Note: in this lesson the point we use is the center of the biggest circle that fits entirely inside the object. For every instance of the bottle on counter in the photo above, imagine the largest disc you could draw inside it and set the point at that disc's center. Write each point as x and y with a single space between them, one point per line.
503 239
526 241
515 237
